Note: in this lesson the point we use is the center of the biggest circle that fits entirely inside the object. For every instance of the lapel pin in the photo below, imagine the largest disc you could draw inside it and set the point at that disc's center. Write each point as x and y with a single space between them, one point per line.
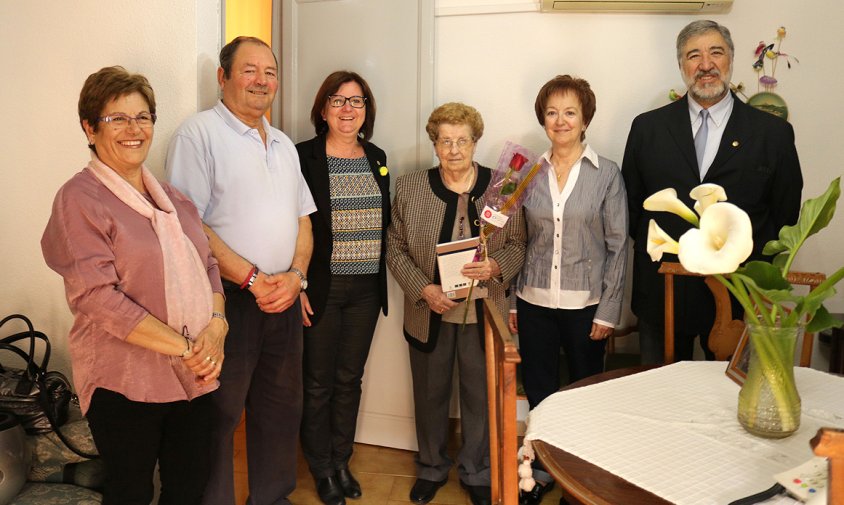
735 143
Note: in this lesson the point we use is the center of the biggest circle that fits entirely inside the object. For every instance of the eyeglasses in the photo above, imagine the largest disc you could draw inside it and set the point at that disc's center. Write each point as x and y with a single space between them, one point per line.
358 102
447 144
119 121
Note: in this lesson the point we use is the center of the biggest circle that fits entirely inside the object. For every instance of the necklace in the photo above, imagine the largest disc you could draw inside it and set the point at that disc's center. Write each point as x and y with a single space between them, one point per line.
564 166
471 181
341 150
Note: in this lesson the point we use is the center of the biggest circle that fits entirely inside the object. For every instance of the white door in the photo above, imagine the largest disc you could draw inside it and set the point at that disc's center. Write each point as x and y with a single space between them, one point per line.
390 44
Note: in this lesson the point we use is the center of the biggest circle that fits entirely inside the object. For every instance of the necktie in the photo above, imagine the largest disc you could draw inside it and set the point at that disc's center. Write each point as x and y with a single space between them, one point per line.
700 140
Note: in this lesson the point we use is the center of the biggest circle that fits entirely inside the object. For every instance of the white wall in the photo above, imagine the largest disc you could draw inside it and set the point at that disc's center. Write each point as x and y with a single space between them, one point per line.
48 49
498 62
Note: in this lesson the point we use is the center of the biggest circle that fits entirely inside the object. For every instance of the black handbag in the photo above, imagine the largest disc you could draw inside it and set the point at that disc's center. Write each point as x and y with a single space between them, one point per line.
38 398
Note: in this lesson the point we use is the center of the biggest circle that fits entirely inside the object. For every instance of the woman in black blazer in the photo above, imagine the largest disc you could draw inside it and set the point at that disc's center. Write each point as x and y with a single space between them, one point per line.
347 277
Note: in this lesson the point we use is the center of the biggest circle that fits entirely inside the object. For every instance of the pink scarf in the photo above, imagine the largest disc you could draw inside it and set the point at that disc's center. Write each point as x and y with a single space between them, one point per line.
187 289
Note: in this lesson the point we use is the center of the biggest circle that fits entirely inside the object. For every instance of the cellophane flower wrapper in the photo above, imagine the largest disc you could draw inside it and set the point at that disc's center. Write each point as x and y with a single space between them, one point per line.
513 175
503 193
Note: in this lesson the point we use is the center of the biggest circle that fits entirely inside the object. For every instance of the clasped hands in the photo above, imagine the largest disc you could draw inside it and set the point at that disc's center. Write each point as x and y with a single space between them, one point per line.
277 292
206 356
476 270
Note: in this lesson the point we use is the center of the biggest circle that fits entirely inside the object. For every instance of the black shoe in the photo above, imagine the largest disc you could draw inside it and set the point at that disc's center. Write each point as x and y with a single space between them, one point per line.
534 497
425 490
329 491
350 485
480 495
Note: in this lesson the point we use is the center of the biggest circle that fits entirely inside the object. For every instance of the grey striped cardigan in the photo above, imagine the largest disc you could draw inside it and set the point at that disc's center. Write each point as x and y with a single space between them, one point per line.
423 215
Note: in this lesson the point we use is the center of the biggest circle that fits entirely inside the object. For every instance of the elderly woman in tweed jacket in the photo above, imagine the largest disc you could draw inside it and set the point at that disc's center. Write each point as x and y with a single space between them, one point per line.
432 206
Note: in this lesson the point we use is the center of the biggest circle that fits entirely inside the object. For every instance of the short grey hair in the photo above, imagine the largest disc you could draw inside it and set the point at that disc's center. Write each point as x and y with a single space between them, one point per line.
700 27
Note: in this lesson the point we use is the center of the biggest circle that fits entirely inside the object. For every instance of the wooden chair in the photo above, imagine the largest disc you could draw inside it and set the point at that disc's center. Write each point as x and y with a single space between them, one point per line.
829 443
501 359
726 331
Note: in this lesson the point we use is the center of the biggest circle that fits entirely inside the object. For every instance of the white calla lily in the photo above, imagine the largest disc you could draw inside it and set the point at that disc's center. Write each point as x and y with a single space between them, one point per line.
666 200
660 242
707 194
723 242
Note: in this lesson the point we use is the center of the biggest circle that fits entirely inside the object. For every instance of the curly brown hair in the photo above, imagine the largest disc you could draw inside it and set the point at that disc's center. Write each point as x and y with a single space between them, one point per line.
455 113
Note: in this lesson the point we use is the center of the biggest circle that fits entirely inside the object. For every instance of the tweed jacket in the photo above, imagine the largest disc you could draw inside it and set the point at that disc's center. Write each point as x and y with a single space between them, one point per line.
594 242
756 164
423 215
314 164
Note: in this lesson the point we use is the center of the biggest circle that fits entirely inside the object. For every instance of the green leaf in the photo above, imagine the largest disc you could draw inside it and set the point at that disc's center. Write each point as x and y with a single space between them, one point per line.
779 261
822 321
781 296
508 189
764 275
815 215
810 303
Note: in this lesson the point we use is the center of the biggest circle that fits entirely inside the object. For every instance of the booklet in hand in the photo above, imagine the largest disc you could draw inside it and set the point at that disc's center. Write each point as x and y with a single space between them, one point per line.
451 256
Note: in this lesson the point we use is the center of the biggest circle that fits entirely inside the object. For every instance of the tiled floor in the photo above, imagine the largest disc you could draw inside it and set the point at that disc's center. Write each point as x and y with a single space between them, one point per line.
386 476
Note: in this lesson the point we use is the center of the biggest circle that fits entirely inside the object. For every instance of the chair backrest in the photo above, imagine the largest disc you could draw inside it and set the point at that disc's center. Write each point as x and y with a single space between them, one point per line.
501 359
829 443
726 331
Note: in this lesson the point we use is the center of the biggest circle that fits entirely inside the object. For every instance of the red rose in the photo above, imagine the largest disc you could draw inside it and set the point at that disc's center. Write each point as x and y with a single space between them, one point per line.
517 162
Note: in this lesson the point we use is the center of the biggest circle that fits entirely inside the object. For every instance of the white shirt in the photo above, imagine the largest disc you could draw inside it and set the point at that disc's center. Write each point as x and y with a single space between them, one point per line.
719 114
252 195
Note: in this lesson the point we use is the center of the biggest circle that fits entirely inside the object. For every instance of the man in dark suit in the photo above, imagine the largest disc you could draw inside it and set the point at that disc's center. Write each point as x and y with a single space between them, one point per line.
708 136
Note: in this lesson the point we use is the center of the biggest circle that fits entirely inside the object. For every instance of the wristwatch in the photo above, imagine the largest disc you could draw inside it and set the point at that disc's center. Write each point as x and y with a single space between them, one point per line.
302 278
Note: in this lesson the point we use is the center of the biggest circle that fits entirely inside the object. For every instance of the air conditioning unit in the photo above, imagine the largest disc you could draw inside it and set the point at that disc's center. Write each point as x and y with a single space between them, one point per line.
646 6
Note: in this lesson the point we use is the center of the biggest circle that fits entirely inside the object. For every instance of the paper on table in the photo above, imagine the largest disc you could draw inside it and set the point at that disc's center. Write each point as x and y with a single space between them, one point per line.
451 256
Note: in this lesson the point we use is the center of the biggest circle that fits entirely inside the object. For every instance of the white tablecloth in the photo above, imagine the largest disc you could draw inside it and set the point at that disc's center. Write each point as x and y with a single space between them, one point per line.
673 430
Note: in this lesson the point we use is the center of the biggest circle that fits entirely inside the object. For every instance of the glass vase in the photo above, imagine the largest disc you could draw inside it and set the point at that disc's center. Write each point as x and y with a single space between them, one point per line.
768 403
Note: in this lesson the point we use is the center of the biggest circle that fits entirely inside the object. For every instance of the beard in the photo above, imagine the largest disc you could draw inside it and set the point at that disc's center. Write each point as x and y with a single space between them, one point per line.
706 92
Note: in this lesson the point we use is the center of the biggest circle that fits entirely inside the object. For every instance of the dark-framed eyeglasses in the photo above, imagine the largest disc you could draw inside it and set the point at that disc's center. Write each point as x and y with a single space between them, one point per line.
358 102
119 121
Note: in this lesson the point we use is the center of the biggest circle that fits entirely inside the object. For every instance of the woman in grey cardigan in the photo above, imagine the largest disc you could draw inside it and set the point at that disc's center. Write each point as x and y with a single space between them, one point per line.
433 206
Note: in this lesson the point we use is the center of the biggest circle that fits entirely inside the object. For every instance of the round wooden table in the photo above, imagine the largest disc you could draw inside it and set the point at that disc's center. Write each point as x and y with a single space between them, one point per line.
581 481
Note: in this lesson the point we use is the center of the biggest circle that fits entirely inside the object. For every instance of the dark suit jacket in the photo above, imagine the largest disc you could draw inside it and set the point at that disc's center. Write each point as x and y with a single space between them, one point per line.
756 164
314 165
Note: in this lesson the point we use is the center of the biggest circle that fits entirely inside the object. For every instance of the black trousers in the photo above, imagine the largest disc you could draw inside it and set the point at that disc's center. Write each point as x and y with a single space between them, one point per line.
336 349
542 331
652 343
263 373
132 436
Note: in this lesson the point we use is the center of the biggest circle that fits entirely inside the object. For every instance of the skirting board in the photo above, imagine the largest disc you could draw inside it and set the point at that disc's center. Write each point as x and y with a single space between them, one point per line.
386 430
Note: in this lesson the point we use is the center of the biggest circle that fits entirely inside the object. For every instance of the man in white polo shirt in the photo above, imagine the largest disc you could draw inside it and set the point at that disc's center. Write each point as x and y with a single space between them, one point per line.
243 176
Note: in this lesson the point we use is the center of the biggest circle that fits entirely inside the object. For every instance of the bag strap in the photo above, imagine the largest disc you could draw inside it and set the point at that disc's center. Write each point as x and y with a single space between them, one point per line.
32 335
44 401
29 376
36 373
